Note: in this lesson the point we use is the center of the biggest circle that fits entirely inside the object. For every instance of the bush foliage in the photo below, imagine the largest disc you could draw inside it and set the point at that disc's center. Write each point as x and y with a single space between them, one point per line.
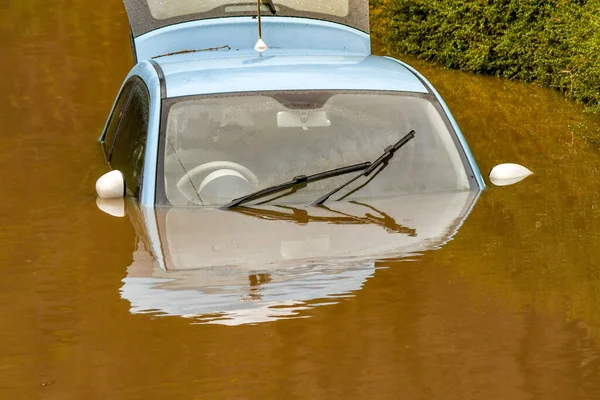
555 43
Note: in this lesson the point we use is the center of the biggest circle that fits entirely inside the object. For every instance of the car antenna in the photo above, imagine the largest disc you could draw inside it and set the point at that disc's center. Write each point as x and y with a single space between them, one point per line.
260 45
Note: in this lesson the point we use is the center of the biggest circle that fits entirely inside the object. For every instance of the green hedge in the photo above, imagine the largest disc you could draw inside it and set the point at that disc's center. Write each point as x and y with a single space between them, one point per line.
555 43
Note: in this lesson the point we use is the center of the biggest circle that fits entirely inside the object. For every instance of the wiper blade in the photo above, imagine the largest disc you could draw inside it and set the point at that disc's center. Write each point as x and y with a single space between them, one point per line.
298 180
383 159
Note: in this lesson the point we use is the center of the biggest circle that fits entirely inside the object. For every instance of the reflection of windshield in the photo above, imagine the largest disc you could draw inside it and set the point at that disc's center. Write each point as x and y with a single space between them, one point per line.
161 9
218 147
302 258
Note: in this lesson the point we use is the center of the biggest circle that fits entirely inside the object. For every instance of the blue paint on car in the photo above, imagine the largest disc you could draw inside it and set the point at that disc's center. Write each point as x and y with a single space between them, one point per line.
298 35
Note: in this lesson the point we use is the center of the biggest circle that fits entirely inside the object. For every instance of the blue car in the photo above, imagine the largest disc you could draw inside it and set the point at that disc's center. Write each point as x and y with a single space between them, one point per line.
266 154
211 114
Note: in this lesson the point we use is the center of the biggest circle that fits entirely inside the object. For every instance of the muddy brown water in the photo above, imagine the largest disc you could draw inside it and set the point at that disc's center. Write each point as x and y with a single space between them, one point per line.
509 309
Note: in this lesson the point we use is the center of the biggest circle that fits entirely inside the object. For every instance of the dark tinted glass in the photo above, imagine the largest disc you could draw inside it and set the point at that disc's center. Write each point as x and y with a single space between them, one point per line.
114 120
128 154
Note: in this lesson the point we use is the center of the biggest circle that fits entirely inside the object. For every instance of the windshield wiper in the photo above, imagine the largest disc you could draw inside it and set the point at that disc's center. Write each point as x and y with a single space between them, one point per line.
298 180
383 159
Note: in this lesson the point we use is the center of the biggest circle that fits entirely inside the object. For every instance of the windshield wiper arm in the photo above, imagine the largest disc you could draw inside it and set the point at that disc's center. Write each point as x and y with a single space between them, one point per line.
384 158
298 180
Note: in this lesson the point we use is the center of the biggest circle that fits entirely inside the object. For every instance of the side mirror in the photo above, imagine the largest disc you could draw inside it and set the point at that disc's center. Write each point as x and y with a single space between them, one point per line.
508 174
111 185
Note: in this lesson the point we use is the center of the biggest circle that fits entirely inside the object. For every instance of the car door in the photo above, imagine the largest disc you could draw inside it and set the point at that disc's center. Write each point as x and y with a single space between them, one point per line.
129 146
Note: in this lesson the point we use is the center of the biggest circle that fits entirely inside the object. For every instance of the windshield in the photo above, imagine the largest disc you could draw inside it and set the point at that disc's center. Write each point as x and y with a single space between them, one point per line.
161 9
219 147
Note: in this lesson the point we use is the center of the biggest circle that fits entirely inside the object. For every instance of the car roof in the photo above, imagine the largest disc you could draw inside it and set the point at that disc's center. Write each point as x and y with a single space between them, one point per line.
203 73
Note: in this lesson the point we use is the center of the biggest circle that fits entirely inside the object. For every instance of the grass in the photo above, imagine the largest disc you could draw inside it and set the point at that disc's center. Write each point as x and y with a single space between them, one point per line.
553 43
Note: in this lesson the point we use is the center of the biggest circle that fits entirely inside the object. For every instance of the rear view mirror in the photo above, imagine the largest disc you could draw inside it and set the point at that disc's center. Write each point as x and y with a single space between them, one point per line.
302 119
508 174
111 185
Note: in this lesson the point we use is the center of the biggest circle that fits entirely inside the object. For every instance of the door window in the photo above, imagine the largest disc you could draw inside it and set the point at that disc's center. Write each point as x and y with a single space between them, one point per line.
111 131
130 145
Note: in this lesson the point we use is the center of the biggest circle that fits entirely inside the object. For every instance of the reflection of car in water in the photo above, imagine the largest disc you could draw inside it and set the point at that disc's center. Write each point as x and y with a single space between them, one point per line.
259 264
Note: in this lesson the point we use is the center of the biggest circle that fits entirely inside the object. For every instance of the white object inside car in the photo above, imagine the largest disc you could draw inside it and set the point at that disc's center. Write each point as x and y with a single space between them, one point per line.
223 185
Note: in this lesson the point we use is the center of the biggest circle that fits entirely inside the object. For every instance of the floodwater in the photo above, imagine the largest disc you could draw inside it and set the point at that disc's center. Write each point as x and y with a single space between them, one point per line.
507 309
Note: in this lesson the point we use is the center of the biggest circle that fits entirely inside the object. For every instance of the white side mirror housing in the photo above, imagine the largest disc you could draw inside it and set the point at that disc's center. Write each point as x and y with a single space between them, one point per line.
508 174
111 185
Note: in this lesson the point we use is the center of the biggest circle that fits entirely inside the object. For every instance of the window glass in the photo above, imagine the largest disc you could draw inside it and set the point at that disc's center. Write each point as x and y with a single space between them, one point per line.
115 117
161 9
278 136
128 154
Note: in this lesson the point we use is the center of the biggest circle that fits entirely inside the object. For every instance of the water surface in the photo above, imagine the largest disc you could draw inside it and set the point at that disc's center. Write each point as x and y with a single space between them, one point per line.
506 310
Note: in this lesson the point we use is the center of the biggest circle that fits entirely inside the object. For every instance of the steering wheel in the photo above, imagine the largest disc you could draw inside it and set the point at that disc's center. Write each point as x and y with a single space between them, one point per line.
207 169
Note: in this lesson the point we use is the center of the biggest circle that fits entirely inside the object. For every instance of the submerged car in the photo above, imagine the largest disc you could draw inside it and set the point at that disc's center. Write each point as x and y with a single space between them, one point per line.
203 118
264 137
